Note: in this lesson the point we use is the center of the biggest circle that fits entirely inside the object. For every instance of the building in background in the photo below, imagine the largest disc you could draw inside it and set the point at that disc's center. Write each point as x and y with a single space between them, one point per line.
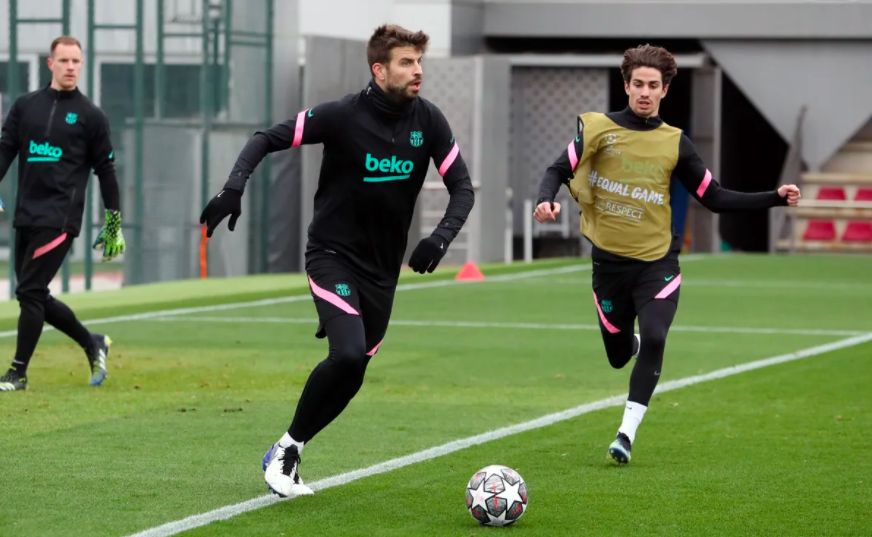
510 75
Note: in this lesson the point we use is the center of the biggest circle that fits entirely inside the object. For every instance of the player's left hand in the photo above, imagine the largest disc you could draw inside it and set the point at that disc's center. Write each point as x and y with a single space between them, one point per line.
110 239
427 254
791 192
226 202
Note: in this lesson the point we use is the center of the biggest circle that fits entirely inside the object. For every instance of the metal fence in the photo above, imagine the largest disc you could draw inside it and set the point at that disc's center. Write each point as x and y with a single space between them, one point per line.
183 83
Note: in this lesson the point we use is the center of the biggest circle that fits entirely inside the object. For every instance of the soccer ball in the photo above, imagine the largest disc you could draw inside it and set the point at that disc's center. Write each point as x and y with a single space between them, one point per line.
496 495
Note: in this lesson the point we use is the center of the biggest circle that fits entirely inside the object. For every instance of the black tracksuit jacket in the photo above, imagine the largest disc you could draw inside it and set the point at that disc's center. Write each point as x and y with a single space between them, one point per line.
376 154
58 137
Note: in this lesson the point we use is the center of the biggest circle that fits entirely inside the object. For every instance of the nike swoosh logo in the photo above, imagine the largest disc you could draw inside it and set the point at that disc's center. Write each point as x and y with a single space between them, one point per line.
577 139
668 278
311 113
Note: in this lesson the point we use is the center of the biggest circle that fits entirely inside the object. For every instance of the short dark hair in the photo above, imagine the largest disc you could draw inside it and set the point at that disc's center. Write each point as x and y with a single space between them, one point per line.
649 56
389 36
64 40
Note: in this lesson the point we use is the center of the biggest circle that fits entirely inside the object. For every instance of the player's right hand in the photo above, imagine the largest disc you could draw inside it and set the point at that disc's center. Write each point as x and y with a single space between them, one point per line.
545 211
228 201
791 193
427 254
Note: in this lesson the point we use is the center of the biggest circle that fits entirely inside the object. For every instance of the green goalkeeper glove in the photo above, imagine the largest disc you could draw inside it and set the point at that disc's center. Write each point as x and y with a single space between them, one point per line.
110 239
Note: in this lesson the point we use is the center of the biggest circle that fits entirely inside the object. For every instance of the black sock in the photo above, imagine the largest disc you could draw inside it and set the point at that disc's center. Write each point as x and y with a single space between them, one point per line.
62 317
30 321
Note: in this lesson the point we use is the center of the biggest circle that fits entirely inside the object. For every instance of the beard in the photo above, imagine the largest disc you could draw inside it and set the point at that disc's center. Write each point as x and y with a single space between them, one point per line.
401 93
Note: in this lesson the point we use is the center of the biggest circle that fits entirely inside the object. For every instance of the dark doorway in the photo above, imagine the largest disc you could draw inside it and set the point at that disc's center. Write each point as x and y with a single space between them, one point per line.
752 155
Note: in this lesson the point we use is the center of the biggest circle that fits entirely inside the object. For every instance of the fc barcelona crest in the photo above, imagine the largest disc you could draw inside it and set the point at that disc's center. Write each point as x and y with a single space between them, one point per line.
416 138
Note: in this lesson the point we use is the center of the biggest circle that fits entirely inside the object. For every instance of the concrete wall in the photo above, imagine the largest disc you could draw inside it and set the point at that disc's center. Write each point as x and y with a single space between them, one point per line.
782 54
356 20
707 19
474 94
780 77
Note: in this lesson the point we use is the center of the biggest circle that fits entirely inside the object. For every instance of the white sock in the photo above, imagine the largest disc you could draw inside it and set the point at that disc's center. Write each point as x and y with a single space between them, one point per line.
633 414
286 441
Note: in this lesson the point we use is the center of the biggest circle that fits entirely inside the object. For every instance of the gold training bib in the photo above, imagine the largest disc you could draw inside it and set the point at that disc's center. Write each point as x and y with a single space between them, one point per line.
622 185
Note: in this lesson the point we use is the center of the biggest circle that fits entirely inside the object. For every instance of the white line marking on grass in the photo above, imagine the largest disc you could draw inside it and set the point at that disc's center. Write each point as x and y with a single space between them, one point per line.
519 326
181 311
223 513
305 296
853 286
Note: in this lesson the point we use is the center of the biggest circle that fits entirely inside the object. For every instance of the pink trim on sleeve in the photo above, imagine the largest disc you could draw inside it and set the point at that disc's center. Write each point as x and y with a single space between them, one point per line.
298 128
573 157
331 298
704 184
449 160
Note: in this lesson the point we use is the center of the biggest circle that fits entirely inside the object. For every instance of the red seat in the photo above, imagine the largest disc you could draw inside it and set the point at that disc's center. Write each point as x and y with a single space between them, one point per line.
820 230
831 193
859 231
824 230
864 193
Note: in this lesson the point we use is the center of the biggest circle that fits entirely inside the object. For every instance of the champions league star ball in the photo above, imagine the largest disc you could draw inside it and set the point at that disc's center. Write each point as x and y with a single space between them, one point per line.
496 495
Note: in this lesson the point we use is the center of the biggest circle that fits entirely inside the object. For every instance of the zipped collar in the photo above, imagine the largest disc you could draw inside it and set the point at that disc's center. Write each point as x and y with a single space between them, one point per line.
384 104
629 120
62 94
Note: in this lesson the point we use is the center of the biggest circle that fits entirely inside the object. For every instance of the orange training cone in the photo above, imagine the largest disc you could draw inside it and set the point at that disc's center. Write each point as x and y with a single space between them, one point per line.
469 273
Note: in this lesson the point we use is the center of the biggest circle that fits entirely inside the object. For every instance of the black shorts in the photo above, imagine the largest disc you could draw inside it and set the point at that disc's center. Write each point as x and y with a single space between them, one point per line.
621 289
340 290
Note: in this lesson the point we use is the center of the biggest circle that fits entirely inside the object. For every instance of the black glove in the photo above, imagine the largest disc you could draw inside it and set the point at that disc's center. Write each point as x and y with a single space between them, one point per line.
228 201
427 254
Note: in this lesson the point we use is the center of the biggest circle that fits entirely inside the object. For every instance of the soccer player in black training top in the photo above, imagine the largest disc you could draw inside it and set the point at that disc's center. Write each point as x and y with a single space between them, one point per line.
58 136
619 169
377 147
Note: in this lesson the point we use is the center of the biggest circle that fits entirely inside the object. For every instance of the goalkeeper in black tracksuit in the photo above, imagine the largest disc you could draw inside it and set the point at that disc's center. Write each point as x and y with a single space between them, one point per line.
58 136
377 147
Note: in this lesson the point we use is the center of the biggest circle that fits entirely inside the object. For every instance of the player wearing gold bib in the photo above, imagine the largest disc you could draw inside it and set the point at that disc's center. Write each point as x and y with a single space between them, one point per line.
619 168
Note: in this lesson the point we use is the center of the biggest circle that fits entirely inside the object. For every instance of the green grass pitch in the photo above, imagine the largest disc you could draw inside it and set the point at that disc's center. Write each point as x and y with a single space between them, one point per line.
194 398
